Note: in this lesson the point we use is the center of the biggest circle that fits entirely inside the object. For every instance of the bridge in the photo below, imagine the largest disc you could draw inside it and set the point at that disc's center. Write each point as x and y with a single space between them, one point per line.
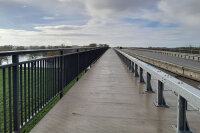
119 93
110 99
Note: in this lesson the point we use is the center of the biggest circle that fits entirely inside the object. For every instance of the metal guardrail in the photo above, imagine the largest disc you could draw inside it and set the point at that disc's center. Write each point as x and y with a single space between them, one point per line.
178 50
179 54
186 93
28 87
172 53
22 52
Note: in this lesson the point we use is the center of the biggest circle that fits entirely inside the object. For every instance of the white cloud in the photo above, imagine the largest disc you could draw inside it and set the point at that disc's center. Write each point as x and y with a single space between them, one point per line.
105 26
48 18
59 28
186 12
105 9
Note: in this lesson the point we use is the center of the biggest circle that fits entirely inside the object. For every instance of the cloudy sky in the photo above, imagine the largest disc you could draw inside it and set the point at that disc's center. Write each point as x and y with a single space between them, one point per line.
115 22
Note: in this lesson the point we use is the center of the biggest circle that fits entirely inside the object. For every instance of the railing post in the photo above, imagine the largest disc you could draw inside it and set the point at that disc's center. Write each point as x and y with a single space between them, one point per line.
61 73
15 61
182 124
133 70
77 65
160 97
149 87
141 75
129 67
136 70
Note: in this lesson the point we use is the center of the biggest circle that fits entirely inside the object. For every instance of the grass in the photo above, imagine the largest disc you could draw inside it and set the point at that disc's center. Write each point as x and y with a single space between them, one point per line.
36 118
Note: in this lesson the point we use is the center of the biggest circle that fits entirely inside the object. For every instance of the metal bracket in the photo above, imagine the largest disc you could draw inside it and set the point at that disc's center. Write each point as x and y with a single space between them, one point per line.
182 123
141 75
133 70
136 70
160 97
149 87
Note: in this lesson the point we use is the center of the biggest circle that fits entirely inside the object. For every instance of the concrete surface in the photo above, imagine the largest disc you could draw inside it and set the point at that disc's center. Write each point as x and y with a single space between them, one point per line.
109 99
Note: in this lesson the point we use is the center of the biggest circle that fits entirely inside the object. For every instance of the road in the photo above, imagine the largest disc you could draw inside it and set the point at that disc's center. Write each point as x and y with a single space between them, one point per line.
191 64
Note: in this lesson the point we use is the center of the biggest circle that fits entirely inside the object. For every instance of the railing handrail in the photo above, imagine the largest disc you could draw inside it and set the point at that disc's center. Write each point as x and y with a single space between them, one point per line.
21 52
191 94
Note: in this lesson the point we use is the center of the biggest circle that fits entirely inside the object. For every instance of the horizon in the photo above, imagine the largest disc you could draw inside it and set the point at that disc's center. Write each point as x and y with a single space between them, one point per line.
127 23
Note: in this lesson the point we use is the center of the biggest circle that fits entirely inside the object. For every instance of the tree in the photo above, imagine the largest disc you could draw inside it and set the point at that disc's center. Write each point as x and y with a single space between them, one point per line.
103 45
93 45
20 48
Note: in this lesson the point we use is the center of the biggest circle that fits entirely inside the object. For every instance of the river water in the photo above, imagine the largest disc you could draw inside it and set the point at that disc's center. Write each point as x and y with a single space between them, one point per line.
21 59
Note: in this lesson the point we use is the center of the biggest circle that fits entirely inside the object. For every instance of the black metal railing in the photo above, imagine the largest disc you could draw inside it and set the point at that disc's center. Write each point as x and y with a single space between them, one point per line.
27 87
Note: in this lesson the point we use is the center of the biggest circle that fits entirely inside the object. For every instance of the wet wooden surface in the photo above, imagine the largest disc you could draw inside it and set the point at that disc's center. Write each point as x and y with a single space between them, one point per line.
109 99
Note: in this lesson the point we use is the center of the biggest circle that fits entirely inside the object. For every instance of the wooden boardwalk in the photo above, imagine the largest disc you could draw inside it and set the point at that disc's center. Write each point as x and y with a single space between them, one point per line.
109 99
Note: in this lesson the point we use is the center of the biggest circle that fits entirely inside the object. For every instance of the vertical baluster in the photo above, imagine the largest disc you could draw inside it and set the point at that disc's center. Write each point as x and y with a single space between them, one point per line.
58 66
48 85
15 61
50 80
53 77
43 70
38 86
4 100
29 114
32 83
45 81
61 74
35 74
21 94
25 105
10 102
56 76
41 82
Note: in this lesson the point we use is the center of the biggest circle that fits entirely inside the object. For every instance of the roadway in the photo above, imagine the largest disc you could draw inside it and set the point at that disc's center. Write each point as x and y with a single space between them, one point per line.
187 63
192 64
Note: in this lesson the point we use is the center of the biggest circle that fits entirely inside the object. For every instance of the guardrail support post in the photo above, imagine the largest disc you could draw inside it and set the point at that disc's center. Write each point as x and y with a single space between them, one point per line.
129 64
61 73
133 70
149 87
15 60
160 97
78 65
141 75
136 70
182 124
